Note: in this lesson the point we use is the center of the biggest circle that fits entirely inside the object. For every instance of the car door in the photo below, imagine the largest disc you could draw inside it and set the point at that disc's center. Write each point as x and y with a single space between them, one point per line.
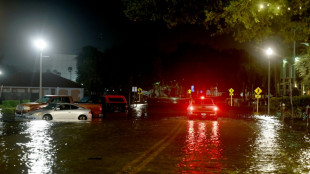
62 111
75 112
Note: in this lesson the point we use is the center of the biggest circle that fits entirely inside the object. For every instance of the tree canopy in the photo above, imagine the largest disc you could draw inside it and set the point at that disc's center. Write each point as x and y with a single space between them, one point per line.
247 20
124 66
303 69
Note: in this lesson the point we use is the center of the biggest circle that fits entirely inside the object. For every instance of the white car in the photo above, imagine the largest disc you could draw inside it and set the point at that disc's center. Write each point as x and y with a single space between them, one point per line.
60 111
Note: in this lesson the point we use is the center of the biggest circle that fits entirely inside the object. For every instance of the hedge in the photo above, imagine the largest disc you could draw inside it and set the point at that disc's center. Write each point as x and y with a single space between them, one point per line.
9 103
298 101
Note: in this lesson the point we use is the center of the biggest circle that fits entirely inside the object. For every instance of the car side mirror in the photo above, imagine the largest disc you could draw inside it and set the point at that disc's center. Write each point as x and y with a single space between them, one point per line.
57 109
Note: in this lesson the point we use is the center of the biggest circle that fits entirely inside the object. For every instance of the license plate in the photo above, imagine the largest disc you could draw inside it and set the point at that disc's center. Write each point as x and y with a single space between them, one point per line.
203 114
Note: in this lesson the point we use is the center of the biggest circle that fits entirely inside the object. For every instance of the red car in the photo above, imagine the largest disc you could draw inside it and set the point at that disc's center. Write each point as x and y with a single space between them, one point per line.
202 108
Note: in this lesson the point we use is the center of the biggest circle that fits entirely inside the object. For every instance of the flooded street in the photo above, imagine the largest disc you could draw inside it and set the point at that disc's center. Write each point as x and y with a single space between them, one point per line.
154 142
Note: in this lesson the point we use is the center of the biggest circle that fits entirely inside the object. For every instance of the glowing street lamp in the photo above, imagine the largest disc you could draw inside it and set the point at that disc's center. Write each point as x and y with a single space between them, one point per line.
41 45
269 52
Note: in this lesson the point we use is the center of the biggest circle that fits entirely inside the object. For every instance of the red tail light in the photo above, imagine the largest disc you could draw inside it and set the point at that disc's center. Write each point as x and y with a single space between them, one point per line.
191 108
100 108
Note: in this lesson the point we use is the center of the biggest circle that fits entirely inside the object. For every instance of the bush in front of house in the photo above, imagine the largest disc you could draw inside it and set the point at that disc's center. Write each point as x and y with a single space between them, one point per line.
25 101
299 102
10 103
8 106
8 110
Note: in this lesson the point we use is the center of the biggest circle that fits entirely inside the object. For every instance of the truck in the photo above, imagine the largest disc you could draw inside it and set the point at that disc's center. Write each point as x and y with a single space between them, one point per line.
23 108
94 103
100 105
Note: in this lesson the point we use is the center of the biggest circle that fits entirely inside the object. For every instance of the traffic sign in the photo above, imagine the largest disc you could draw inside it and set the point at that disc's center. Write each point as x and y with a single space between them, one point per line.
258 91
139 90
231 90
189 91
134 89
231 94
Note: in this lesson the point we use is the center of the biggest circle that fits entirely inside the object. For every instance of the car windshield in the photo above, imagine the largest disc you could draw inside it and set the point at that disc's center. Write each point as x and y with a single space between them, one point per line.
50 106
43 100
84 100
203 101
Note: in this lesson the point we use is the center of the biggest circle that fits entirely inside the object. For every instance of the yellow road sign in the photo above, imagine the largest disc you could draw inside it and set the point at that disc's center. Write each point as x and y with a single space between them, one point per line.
258 91
139 90
189 91
231 90
258 96
231 94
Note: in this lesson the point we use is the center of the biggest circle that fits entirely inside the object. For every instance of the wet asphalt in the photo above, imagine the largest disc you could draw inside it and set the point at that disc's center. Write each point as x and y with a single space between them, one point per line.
155 140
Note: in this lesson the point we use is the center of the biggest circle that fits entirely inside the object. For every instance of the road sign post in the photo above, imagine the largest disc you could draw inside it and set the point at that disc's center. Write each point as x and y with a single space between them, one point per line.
139 93
231 91
257 91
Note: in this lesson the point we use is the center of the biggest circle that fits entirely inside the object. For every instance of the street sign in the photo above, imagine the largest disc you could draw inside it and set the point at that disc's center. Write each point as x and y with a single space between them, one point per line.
134 89
189 91
231 93
258 91
193 88
139 91
231 90
258 96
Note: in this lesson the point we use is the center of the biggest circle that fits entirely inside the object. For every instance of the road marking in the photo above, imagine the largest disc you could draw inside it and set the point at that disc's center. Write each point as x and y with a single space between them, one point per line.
129 168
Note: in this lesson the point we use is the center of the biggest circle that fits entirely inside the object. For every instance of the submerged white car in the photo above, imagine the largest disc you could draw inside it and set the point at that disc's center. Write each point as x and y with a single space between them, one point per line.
61 111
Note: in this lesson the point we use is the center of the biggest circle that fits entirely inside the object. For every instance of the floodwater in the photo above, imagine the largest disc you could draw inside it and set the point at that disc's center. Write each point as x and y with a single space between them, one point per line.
154 141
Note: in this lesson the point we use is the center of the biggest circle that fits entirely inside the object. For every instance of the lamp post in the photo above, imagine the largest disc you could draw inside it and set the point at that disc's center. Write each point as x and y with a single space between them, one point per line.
40 44
269 52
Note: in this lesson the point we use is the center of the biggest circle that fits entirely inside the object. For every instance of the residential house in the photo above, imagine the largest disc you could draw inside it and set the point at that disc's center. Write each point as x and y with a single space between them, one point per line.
25 86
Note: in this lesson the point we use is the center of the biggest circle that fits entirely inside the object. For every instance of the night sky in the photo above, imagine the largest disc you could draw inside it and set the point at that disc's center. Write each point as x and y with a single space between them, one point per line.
68 26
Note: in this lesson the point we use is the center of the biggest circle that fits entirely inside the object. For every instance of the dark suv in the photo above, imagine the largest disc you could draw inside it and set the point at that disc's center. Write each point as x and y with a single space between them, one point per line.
114 103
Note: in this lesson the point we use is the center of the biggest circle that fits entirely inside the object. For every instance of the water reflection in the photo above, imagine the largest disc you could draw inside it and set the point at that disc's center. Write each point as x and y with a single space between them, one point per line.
39 154
202 151
267 147
139 110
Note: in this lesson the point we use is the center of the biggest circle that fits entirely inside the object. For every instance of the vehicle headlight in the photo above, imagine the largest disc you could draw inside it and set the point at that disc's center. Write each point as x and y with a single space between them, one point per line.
26 108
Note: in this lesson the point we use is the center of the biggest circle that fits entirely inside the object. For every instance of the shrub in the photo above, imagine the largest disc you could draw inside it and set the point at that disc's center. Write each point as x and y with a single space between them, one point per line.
299 103
8 110
10 103
25 101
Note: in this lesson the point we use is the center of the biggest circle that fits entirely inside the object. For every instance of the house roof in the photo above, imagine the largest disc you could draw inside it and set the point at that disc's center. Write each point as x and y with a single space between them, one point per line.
32 79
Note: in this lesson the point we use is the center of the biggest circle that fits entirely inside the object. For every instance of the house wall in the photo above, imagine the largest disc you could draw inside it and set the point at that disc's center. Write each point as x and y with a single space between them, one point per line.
32 94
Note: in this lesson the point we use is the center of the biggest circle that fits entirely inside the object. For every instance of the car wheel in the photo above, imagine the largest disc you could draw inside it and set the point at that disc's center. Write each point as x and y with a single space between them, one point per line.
47 117
82 117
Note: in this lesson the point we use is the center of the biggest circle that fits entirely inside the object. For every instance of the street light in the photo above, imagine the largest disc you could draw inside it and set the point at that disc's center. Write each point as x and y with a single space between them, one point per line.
41 45
269 52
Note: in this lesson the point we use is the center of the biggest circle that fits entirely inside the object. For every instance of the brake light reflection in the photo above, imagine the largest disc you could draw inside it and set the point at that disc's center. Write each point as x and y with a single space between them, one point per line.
202 152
